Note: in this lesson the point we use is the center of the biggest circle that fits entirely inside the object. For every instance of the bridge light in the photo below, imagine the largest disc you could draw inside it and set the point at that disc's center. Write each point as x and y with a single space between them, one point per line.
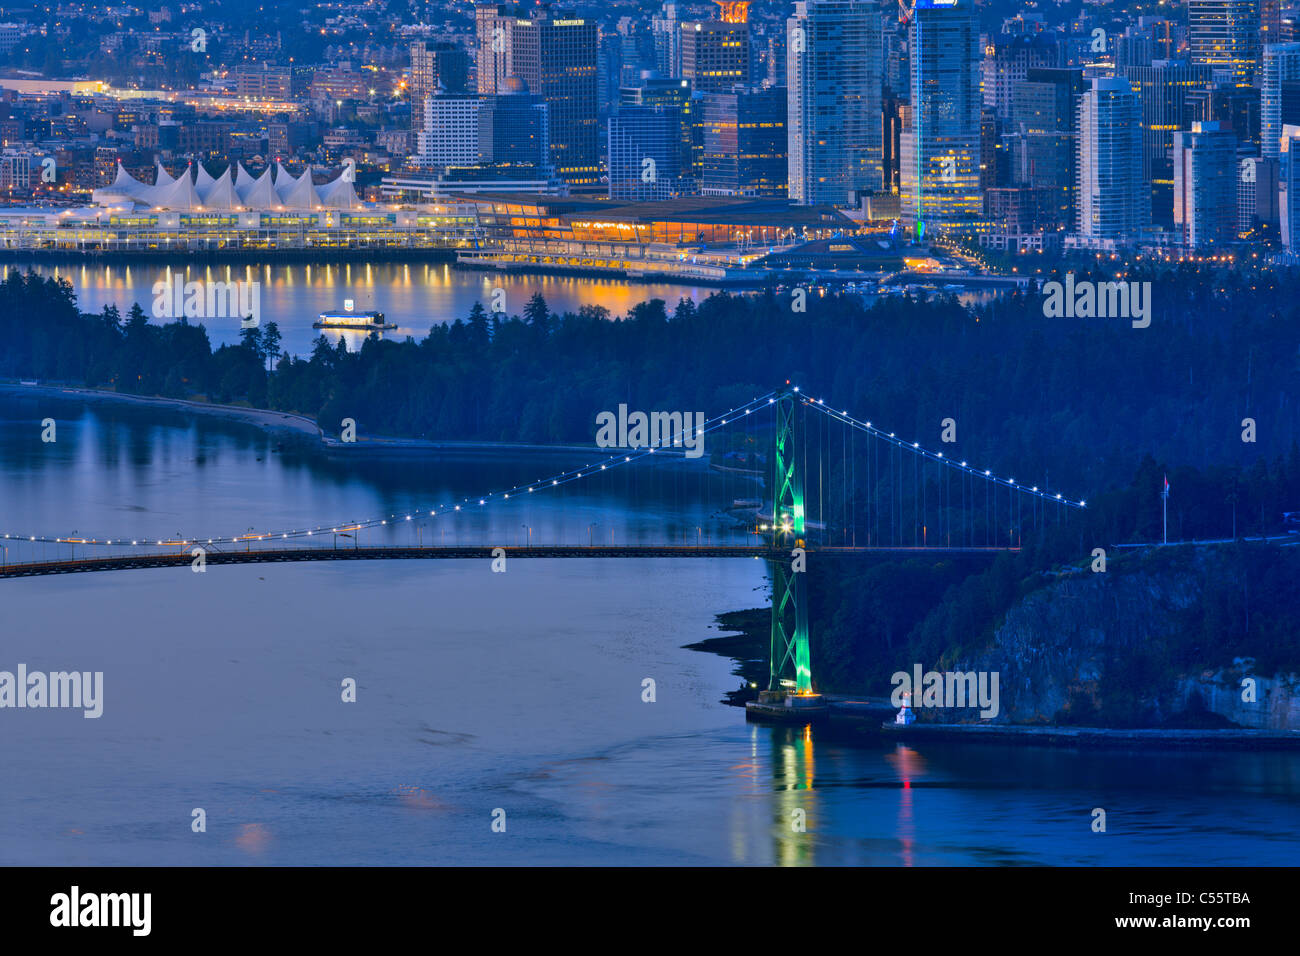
1035 488
987 472
1083 504
1058 496
940 454
963 464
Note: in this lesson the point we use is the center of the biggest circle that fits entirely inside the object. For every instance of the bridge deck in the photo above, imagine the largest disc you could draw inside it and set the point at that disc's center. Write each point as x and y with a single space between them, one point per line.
276 555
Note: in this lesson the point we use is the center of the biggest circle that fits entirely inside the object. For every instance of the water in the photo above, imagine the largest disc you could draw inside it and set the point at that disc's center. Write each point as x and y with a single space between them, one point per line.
482 691
414 296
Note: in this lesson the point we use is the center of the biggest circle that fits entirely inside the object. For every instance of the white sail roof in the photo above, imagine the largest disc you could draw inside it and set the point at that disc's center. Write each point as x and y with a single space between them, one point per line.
284 180
221 194
180 195
302 194
259 193
203 181
235 188
339 194
162 177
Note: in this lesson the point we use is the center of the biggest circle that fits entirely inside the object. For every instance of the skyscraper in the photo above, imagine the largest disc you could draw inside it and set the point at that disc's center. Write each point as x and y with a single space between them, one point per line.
1112 200
744 143
493 26
1281 67
940 147
1205 185
1162 89
555 56
435 66
1224 34
834 120
644 153
715 53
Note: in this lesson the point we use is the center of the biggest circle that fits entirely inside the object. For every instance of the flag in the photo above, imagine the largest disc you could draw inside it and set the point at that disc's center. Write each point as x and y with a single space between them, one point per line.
1166 484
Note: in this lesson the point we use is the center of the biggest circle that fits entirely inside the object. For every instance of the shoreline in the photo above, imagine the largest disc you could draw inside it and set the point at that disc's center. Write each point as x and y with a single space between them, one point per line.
271 420
744 640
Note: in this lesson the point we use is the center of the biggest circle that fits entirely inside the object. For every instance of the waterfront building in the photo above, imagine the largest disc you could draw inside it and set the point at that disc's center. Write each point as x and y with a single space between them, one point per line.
744 143
554 55
450 133
834 112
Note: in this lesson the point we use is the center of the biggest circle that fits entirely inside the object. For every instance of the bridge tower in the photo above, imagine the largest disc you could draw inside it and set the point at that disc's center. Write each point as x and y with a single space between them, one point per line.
790 666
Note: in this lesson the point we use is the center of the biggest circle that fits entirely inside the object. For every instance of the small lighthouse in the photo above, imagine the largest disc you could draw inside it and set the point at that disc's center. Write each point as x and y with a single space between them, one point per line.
905 715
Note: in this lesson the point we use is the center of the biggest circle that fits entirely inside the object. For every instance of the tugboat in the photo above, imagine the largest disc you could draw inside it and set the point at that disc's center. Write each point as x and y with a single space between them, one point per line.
353 321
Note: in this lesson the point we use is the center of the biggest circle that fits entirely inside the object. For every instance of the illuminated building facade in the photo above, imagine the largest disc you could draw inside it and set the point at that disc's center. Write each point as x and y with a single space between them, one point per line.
1205 186
1162 90
1224 35
833 83
715 53
1112 196
940 146
556 60
1281 67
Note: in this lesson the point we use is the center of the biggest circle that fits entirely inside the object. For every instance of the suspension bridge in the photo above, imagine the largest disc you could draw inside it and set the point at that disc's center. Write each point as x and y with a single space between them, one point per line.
832 485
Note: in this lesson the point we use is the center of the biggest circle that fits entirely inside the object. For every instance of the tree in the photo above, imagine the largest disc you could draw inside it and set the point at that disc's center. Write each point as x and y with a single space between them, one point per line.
270 343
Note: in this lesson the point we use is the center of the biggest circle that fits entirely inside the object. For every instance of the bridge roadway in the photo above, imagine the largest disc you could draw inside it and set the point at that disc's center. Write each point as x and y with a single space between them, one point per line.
271 555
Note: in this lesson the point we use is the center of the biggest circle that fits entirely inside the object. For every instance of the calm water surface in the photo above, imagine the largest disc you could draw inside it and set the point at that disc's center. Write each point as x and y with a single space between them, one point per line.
415 296
480 691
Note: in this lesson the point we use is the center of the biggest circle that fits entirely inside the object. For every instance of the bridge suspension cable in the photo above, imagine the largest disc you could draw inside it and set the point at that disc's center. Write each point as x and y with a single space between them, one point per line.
970 474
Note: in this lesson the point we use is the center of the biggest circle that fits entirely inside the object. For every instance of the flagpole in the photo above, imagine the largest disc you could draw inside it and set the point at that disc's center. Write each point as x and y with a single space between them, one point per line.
1164 507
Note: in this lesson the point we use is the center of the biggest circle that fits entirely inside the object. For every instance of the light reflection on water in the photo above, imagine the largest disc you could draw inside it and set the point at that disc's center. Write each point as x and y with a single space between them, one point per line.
413 295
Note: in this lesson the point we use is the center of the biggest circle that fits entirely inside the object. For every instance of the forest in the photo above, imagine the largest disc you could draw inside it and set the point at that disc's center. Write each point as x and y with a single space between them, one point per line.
1092 406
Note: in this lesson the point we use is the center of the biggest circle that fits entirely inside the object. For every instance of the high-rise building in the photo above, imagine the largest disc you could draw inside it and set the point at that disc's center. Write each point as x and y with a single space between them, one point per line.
1281 67
834 119
493 31
1162 90
644 153
450 133
1233 107
1205 186
1257 185
940 147
744 143
1042 140
674 95
1112 199
715 53
1008 60
436 67
1224 34
555 55
1288 189
513 128
667 34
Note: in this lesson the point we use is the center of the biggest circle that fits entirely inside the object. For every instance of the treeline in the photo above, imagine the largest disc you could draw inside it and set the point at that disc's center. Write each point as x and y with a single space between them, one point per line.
1092 407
